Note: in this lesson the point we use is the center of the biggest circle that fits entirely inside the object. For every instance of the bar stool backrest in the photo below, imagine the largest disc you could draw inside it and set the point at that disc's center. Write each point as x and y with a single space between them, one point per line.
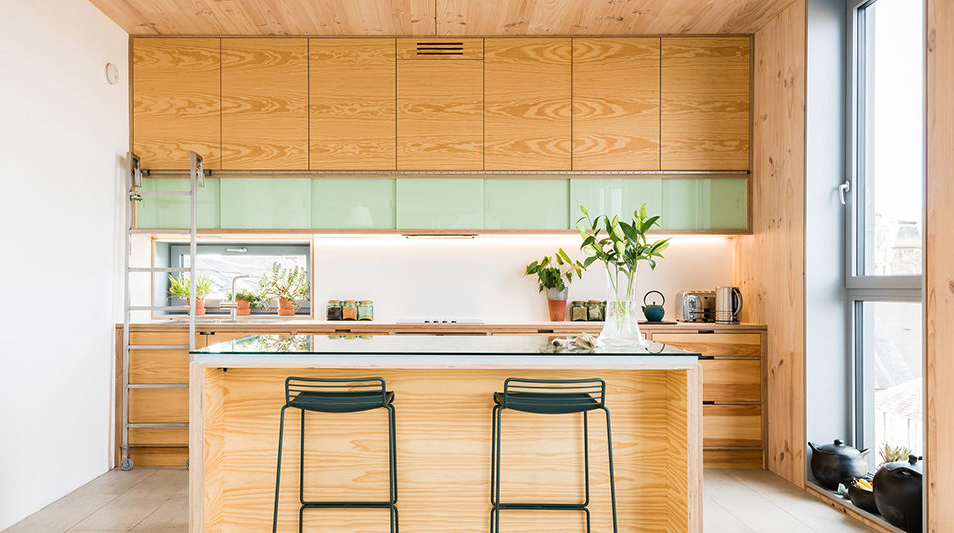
582 391
295 386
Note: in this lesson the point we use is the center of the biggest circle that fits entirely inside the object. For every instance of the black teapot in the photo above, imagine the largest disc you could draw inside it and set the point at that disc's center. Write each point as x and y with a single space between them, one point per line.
897 492
836 463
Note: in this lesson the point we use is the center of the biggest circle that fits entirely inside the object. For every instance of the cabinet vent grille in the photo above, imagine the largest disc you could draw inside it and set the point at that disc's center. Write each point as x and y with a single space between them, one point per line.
440 49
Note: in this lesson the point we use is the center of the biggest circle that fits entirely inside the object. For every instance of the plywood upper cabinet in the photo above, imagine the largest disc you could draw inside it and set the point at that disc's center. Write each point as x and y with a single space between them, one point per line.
616 104
264 104
705 103
176 101
527 104
440 116
352 104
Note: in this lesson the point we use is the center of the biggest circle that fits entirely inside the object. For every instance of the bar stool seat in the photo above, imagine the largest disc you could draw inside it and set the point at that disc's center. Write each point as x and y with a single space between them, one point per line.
341 402
548 403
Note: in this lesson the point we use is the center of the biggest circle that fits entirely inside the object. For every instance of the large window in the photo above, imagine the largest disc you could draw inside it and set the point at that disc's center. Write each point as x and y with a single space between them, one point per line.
886 212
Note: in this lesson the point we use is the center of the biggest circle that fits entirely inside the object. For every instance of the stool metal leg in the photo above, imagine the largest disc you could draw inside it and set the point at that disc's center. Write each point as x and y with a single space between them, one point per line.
496 509
392 468
301 461
609 447
278 470
586 464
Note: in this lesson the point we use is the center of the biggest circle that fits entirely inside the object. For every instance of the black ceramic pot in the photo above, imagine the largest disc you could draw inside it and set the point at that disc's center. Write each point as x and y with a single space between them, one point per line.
862 498
836 463
897 492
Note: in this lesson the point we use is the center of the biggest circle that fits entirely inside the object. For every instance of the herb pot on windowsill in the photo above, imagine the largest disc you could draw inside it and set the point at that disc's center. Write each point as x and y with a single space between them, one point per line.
286 307
199 306
244 308
556 303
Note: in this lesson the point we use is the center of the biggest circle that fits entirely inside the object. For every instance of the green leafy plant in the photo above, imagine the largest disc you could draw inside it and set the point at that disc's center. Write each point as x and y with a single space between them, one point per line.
552 270
285 284
246 295
893 454
180 286
621 246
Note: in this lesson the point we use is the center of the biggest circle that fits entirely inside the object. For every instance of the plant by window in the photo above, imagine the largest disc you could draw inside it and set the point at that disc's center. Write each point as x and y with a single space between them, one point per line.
552 270
893 454
244 295
284 284
180 286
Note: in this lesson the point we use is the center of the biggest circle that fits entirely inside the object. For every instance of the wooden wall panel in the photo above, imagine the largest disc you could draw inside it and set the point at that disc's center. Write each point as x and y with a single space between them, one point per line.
352 104
938 269
176 102
769 265
440 115
527 104
616 104
705 103
264 104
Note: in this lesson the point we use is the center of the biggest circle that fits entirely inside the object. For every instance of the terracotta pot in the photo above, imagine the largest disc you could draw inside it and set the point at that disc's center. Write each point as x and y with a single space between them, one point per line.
286 307
199 305
244 308
557 309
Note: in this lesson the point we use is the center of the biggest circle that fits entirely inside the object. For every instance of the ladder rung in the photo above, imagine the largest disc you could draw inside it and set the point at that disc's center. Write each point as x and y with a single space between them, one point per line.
159 386
158 308
158 346
174 231
160 425
164 193
159 269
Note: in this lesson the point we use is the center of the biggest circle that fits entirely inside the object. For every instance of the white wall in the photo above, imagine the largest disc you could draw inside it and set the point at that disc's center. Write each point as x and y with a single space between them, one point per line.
63 132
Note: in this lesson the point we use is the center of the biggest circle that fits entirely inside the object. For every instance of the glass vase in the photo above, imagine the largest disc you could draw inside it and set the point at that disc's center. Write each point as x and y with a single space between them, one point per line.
621 326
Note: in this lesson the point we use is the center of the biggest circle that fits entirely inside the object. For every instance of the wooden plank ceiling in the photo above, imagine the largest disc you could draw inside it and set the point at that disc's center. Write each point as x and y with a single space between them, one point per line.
439 17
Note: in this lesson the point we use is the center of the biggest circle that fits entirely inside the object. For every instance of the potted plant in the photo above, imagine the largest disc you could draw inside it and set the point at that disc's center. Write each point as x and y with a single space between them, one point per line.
288 285
179 286
244 299
554 273
622 247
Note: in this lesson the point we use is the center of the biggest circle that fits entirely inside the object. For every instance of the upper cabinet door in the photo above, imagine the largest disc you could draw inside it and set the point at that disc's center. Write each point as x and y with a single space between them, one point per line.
705 103
527 104
440 109
616 104
264 104
352 104
176 102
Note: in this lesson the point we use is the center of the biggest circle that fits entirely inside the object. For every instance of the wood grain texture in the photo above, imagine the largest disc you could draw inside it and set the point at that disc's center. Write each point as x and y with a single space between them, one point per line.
768 266
731 380
527 104
705 103
148 405
714 344
159 436
264 104
616 104
352 104
938 270
158 366
443 440
440 115
435 48
732 425
176 102
733 458
159 456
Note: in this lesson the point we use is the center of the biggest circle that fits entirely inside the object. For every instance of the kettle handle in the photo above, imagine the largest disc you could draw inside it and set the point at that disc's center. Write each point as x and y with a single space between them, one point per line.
657 292
736 297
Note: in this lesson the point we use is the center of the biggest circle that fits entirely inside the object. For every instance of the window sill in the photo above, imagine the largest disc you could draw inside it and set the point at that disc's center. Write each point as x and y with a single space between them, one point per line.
840 504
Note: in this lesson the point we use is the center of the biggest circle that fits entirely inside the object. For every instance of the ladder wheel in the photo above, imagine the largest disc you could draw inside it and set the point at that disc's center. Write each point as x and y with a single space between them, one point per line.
126 464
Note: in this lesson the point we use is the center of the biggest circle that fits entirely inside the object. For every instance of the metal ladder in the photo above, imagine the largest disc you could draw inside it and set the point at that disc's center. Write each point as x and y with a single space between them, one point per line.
134 178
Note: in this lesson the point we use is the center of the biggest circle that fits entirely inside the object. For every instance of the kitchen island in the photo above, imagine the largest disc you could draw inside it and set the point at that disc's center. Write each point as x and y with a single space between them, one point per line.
443 389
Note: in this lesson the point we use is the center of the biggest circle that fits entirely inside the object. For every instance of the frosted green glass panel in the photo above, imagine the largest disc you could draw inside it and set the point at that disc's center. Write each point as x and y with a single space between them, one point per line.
614 196
266 203
526 204
352 203
174 211
704 204
440 203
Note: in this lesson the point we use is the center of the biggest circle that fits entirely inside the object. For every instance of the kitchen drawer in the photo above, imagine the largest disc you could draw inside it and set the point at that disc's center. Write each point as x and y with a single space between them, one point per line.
159 366
159 436
149 405
159 337
731 425
715 344
731 380
164 456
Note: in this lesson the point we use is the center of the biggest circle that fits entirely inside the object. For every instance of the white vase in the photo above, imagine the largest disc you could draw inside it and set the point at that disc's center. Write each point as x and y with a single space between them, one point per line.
621 326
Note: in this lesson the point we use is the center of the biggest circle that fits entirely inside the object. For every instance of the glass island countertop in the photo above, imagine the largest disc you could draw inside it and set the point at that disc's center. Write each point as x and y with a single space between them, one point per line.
427 350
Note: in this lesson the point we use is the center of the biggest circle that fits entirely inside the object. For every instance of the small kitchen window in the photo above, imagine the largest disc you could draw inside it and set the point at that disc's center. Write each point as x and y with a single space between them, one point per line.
221 262
885 222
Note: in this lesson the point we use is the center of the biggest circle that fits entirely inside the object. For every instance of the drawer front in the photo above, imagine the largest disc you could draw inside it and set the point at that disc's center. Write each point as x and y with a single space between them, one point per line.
159 337
148 406
158 436
715 344
171 456
731 380
158 366
731 425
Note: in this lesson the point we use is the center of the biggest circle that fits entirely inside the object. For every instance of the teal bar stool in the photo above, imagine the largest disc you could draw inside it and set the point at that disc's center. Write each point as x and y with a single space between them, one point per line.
346 395
549 397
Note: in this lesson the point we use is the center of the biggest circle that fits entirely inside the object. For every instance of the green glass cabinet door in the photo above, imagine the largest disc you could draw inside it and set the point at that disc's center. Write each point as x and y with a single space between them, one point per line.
526 204
352 203
164 212
266 203
714 204
614 197
440 203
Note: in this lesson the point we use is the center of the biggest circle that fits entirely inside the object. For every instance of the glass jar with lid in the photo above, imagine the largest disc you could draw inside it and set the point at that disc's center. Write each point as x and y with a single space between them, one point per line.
578 310
594 311
349 311
334 310
365 310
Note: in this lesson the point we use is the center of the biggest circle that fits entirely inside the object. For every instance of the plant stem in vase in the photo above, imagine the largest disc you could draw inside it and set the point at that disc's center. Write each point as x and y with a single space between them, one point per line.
621 326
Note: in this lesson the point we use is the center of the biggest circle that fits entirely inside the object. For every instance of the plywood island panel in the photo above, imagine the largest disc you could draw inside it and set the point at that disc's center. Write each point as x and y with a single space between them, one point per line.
443 419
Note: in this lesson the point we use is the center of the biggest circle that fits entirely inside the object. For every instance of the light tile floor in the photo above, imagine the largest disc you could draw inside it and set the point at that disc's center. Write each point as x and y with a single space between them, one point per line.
155 500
